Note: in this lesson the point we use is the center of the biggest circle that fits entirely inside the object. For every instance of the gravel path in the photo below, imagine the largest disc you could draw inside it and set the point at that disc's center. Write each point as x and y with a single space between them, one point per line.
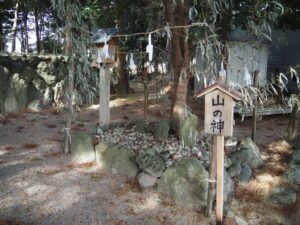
41 185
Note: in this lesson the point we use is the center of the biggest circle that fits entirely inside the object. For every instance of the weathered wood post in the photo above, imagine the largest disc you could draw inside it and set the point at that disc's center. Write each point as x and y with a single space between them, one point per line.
218 121
107 46
104 95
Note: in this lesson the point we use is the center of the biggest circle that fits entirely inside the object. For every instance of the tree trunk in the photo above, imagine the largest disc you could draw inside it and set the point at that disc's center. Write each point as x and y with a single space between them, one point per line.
1 89
25 18
41 34
70 87
37 31
22 39
14 28
122 87
180 56
2 45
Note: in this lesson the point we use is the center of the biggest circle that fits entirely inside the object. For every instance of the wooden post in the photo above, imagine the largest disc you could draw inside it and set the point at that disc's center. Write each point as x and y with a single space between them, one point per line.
220 178
212 176
218 121
254 115
104 96
146 93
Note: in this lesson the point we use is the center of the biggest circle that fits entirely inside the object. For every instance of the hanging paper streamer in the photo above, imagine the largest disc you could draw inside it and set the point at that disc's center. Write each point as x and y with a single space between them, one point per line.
247 76
222 72
131 62
149 48
99 58
105 50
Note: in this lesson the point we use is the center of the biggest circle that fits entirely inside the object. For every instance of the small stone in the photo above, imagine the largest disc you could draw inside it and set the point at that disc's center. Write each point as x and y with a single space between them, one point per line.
145 180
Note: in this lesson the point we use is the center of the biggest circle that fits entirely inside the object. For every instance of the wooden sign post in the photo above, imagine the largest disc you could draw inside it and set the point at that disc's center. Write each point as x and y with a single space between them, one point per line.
218 121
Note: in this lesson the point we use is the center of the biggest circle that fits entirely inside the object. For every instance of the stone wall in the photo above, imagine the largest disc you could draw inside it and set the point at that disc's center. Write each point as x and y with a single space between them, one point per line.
31 81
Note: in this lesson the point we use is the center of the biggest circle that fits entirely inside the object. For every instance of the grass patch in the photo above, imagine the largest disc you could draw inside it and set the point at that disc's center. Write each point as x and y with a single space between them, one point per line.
249 192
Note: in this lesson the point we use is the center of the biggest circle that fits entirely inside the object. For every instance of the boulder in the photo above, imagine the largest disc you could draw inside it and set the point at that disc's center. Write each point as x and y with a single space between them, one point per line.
251 149
33 60
38 90
228 186
234 170
10 102
139 125
16 98
146 181
293 172
161 131
47 72
82 148
185 182
35 106
116 158
62 71
188 133
58 90
284 195
48 96
245 174
152 164
246 153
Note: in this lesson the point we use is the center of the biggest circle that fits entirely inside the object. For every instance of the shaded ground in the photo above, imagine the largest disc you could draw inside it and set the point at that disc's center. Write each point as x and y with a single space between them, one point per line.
41 185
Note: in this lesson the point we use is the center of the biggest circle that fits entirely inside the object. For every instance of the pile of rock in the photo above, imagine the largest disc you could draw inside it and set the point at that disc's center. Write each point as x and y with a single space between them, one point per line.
245 157
32 81
154 158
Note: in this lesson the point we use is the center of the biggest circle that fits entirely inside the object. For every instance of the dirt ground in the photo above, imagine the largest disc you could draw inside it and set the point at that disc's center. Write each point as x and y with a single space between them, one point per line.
39 184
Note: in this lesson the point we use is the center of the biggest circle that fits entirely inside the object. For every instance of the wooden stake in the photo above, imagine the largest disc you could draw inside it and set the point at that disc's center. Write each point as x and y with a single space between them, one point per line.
220 178
254 115
212 176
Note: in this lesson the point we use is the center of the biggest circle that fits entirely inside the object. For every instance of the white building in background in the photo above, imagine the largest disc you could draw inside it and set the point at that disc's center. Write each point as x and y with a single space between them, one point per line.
244 59
246 54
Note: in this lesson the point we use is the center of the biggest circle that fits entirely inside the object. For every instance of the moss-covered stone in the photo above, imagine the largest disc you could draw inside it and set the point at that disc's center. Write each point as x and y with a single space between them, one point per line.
82 148
16 98
189 133
161 131
185 182
118 159
152 164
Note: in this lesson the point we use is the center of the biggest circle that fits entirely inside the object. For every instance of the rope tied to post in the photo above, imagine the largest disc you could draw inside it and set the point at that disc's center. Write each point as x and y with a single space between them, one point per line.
211 181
